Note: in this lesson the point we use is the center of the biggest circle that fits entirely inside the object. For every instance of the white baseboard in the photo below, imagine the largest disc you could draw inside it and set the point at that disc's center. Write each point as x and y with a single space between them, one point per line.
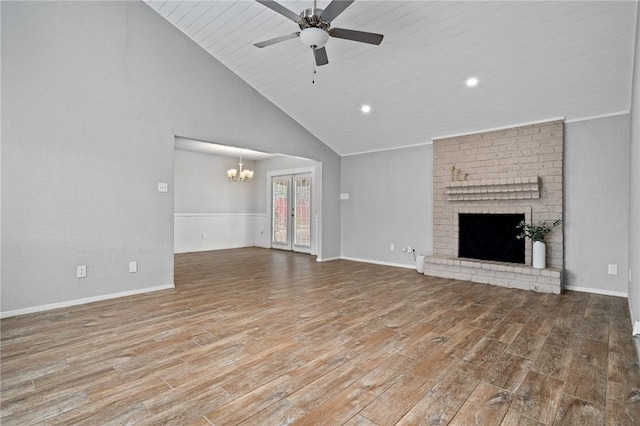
75 302
326 259
596 291
378 262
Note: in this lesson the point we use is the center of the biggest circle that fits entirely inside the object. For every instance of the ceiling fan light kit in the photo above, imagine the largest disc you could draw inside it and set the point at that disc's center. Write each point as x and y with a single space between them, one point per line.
314 37
315 28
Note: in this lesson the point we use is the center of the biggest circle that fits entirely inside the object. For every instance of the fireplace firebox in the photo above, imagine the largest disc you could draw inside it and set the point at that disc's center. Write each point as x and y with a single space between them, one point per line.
491 237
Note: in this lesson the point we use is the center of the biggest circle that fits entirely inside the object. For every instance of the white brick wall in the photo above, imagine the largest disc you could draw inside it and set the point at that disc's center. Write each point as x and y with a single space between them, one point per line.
532 153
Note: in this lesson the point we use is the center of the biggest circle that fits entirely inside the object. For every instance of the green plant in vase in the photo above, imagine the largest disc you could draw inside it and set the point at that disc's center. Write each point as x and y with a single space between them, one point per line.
537 233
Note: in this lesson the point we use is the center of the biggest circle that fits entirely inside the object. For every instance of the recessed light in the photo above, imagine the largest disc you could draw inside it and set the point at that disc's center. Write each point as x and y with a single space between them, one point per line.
366 109
472 81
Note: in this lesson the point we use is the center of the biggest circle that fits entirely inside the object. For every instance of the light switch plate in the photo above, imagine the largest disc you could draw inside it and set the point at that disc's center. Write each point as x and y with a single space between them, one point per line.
613 269
133 267
81 271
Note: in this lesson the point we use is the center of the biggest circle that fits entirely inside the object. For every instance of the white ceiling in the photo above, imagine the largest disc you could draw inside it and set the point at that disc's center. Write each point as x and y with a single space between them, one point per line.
534 61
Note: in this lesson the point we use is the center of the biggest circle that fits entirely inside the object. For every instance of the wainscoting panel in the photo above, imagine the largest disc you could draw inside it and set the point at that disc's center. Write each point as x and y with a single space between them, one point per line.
262 231
216 231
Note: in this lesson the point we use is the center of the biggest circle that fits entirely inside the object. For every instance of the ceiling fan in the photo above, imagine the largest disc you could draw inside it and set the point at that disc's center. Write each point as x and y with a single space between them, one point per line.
315 28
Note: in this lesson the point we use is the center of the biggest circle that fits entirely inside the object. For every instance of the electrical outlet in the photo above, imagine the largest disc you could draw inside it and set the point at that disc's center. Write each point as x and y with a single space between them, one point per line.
81 271
409 249
613 269
163 187
392 247
133 267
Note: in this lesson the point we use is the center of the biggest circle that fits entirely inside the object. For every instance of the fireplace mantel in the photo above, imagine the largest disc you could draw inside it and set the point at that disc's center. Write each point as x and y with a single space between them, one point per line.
518 188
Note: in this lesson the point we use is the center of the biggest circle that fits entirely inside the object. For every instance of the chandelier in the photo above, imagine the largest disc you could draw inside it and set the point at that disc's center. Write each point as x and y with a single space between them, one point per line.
242 176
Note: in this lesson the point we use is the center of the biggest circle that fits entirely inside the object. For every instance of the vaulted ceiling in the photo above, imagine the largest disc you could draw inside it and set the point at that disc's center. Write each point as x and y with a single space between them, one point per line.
533 61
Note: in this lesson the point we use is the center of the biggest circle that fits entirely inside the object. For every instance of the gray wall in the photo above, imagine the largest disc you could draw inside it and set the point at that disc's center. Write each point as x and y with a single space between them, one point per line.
390 202
634 185
201 184
92 96
596 196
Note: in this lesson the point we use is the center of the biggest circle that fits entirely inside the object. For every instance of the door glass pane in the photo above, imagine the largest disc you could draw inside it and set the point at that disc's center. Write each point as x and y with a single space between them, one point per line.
303 211
280 211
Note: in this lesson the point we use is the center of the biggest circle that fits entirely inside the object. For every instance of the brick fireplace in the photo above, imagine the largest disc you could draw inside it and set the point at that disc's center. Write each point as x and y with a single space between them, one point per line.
508 171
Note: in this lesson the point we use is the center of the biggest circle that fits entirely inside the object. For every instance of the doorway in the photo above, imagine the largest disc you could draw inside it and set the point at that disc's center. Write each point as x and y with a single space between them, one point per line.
291 212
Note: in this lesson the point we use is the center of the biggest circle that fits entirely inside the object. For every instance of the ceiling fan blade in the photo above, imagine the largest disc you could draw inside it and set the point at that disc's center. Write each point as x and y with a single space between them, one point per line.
276 40
354 35
321 56
277 7
335 8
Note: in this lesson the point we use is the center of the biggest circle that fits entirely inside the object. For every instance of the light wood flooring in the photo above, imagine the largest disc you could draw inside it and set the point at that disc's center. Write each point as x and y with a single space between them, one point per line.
263 337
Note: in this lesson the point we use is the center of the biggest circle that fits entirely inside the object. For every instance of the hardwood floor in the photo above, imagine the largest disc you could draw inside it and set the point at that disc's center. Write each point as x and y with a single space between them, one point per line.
263 337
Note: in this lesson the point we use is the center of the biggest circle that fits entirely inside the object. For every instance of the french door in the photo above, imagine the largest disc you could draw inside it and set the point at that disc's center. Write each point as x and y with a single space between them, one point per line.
291 212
